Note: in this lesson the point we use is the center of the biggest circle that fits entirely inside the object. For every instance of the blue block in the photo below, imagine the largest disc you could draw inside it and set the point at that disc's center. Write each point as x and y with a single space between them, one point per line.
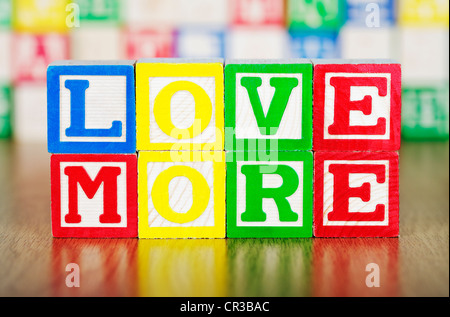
91 107
362 12
314 44
199 42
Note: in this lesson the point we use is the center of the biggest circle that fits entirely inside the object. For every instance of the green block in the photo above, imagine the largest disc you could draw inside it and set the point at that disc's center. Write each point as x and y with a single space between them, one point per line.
99 10
324 15
5 112
5 14
269 194
268 105
425 112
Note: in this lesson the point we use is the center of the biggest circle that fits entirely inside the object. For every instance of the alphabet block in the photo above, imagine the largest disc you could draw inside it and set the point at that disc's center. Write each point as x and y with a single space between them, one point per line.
179 104
5 111
257 12
269 194
5 56
423 13
363 43
30 115
370 13
268 105
91 107
199 42
39 17
94 196
356 194
96 42
181 194
155 13
425 113
319 14
104 11
356 106
149 42
5 14
201 13
314 44
33 53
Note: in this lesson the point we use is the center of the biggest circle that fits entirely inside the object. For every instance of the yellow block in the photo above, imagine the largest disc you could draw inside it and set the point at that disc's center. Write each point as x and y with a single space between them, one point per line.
37 16
162 88
181 194
423 13
187 268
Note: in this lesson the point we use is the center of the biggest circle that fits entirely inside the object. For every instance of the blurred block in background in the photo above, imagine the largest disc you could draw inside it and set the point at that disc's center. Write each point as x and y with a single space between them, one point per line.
360 42
201 12
96 43
315 14
5 111
424 13
249 42
148 42
199 42
426 111
257 12
5 14
108 11
370 13
307 44
30 113
38 16
32 54
156 13
5 56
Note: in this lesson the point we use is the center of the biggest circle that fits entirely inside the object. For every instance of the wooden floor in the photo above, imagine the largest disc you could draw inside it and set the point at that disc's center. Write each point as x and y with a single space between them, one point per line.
32 263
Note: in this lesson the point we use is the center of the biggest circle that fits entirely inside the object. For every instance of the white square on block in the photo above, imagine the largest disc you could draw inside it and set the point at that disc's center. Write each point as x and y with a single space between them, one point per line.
91 209
105 102
380 108
291 124
269 206
30 113
182 109
367 43
379 193
180 193
97 43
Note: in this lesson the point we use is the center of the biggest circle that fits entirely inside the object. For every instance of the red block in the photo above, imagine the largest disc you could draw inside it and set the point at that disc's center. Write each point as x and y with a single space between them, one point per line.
149 43
94 196
257 12
33 53
356 194
357 107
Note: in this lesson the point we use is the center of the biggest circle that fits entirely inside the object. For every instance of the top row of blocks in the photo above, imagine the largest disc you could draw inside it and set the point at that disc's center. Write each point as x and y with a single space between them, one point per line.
178 104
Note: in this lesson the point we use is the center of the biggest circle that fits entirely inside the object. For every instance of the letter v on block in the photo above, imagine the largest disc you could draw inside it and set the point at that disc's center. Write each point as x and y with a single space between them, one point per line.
268 105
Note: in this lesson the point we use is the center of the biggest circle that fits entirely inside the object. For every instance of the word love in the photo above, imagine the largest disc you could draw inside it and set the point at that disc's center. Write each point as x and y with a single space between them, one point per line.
176 148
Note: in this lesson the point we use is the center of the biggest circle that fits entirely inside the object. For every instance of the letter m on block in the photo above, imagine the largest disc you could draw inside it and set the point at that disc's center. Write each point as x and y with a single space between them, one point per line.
94 195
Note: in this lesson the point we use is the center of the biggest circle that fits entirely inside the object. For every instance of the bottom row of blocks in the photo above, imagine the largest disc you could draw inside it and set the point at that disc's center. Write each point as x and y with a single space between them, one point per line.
196 194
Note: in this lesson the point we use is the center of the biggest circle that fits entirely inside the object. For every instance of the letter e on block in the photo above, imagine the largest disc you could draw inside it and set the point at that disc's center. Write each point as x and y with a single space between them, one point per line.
356 194
94 196
357 106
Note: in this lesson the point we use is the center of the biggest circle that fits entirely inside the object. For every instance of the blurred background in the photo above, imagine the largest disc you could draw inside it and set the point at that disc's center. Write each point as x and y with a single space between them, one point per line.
33 33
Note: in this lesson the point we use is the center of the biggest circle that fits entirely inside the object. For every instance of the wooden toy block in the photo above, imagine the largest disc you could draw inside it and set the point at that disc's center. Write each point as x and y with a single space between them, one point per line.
370 13
5 14
38 17
269 194
30 114
425 111
5 111
357 105
257 12
91 107
268 105
181 194
155 13
199 42
179 104
33 53
252 42
5 56
317 14
424 53
423 13
205 13
356 194
96 42
314 44
100 11
149 42
364 43
94 196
